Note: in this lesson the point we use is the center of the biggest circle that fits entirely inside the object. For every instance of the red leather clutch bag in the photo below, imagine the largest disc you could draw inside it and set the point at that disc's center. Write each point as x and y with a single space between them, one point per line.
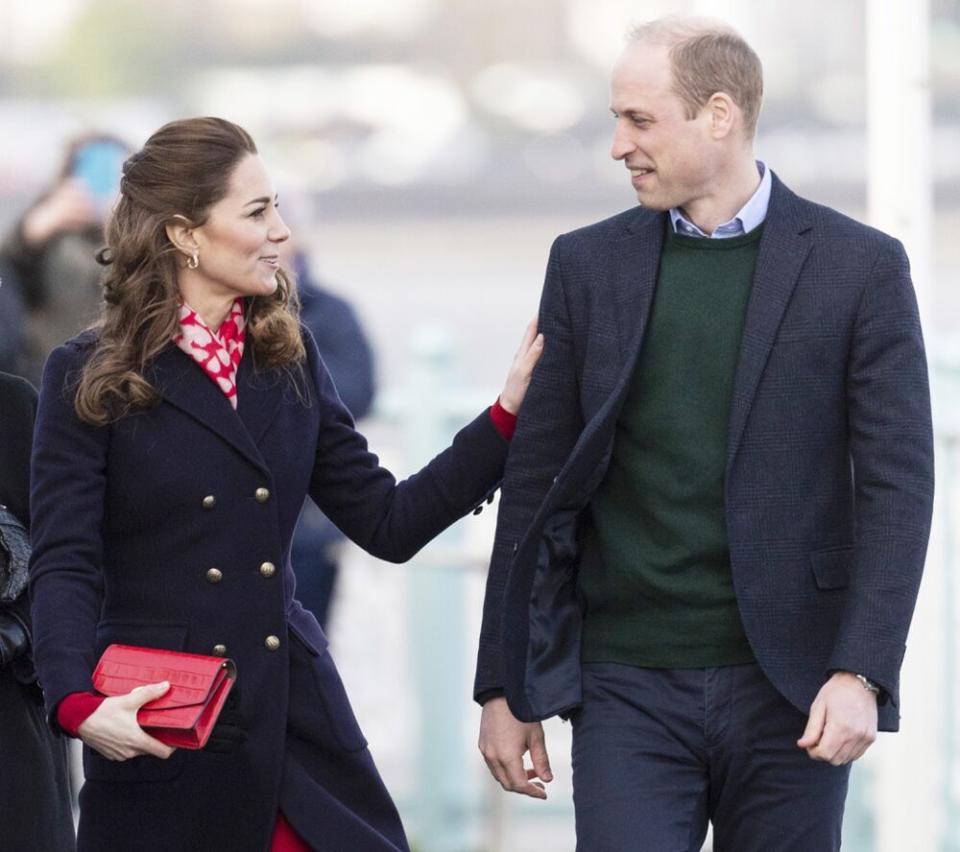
186 714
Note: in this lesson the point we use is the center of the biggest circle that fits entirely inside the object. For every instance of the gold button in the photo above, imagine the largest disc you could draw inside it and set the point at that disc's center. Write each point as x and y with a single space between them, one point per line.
268 569
261 495
219 650
209 501
272 643
214 575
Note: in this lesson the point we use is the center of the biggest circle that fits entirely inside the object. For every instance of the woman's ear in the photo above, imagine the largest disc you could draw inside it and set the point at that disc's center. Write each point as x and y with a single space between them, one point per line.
180 233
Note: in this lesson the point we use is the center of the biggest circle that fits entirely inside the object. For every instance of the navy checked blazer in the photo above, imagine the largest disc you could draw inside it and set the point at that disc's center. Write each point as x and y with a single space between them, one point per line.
829 472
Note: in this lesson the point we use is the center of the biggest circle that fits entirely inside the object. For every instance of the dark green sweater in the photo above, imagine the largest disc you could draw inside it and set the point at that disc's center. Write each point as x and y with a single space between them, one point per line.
655 571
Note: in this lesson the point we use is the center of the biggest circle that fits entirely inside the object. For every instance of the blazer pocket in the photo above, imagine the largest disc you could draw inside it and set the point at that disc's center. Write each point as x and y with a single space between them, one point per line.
831 567
143 769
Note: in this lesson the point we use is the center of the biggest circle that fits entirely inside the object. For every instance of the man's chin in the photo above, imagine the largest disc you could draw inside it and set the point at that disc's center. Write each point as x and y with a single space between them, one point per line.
649 202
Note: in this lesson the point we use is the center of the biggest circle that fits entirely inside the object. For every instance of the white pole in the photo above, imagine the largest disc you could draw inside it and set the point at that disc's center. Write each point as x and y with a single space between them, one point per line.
899 177
909 766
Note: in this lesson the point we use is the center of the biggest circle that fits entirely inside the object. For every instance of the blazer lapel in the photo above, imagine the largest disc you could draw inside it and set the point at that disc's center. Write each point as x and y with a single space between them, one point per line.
783 250
638 262
181 382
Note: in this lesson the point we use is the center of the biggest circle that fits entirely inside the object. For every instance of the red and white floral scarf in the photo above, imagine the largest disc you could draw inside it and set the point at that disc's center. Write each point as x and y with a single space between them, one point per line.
219 352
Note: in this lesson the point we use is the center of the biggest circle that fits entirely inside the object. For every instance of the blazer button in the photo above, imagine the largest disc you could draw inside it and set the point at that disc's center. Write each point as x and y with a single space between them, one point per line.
268 569
261 495
272 643
209 501
214 575
219 650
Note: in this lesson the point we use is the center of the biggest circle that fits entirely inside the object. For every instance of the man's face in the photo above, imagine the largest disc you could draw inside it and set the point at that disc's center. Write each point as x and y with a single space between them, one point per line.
669 156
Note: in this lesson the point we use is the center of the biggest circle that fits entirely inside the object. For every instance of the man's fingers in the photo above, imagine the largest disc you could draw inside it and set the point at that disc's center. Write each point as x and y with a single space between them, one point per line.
496 770
815 724
831 744
541 761
519 782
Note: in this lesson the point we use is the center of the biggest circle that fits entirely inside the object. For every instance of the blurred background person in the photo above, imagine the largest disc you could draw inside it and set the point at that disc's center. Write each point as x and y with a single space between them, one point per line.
345 349
11 317
49 272
35 813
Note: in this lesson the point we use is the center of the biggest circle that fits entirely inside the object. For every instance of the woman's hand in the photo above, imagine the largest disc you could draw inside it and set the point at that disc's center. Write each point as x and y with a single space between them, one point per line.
518 379
112 728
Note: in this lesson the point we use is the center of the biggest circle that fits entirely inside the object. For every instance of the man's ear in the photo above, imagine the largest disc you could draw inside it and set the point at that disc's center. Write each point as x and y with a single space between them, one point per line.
180 233
722 112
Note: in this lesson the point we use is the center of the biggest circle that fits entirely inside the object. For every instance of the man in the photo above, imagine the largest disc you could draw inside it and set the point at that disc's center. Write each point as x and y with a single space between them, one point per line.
717 503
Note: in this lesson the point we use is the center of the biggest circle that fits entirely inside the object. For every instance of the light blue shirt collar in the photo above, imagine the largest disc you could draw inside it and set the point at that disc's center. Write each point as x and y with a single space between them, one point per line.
748 217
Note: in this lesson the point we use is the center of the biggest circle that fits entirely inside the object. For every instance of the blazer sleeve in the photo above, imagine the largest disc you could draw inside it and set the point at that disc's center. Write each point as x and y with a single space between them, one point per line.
548 426
68 473
891 447
389 519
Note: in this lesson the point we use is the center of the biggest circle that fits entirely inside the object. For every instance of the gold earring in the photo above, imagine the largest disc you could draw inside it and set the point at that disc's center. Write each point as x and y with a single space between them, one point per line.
193 261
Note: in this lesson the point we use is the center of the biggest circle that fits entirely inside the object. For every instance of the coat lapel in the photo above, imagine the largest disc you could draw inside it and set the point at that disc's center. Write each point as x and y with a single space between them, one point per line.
783 250
259 396
182 383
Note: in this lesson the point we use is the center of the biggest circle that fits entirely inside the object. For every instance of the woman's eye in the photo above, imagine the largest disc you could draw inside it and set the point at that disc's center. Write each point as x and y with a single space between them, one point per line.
256 214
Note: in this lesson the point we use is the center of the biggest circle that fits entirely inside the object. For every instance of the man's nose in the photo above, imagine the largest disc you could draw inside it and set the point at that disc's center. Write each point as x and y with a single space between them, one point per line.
622 145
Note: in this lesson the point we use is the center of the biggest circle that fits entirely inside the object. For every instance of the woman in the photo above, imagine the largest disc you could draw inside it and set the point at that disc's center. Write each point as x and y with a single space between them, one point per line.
174 446
35 814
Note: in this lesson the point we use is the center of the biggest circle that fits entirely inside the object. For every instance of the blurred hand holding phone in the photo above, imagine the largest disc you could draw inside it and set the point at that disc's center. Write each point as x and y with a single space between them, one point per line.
98 164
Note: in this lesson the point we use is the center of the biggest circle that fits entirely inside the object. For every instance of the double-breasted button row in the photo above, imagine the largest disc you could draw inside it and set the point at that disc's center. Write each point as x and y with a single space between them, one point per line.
215 575
272 643
208 502
219 650
261 495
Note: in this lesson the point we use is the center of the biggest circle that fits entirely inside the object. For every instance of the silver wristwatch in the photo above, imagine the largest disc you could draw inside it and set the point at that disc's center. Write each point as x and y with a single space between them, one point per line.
868 684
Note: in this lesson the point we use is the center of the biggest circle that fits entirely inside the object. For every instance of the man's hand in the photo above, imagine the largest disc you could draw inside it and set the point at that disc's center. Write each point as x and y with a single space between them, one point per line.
113 731
843 721
503 741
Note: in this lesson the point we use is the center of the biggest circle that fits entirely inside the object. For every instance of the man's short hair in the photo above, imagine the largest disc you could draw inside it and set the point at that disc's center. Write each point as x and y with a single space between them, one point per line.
707 57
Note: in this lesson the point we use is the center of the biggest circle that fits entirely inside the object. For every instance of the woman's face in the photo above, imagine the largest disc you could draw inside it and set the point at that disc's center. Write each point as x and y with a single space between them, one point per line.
239 244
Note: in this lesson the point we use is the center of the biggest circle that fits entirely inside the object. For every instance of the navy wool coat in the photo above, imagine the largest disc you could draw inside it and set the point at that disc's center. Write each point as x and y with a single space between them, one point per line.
128 521
829 471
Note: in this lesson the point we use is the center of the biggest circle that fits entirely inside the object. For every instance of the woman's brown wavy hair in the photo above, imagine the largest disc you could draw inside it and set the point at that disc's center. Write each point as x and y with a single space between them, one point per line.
182 170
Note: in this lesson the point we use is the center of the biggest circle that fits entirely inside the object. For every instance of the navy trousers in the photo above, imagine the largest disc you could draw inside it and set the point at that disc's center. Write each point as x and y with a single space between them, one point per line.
659 753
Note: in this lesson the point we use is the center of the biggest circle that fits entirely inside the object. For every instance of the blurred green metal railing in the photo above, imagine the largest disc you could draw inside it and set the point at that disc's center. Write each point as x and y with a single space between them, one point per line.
445 812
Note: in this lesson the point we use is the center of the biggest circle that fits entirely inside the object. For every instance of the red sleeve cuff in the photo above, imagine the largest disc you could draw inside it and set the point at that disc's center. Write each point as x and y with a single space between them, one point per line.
74 710
505 422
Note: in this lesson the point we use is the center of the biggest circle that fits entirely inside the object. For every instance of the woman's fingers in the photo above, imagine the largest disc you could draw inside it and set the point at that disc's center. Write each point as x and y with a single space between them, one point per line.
521 370
141 695
152 746
112 729
529 335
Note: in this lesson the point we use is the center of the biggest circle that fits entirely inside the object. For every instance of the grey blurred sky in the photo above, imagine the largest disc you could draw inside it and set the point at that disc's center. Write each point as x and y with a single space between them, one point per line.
439 111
